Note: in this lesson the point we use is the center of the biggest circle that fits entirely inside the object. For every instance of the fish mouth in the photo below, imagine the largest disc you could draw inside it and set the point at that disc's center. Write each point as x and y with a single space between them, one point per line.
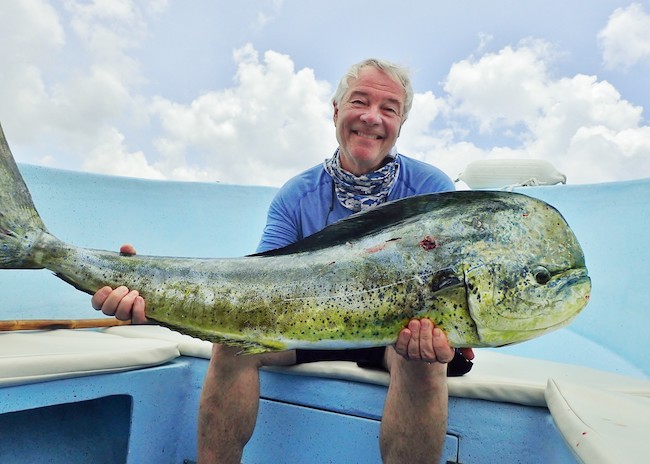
576 277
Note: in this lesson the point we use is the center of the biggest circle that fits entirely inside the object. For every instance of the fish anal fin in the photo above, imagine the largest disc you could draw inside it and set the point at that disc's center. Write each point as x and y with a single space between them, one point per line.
246 345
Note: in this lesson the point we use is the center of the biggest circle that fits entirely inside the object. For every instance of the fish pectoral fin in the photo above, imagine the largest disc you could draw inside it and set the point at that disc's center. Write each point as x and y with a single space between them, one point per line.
248 346
479 281
252 348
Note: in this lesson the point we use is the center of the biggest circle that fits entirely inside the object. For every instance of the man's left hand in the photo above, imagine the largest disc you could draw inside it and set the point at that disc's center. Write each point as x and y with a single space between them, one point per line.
422 341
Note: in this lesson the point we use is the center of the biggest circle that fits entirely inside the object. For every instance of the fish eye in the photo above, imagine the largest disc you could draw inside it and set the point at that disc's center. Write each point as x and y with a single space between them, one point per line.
542 275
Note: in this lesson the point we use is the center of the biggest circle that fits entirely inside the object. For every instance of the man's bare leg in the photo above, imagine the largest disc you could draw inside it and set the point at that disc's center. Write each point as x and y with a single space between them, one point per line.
414 421
230 401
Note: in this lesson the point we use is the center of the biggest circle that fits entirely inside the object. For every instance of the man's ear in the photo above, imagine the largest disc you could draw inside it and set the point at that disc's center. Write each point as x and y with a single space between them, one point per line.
336 112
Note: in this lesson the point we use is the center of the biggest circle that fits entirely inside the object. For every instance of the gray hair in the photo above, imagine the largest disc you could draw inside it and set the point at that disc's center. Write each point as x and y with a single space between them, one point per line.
397 73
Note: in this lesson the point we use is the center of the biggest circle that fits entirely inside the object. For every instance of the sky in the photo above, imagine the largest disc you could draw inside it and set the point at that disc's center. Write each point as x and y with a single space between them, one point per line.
240 92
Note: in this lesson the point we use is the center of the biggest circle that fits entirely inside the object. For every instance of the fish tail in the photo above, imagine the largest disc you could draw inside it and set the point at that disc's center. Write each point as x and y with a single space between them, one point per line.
20 225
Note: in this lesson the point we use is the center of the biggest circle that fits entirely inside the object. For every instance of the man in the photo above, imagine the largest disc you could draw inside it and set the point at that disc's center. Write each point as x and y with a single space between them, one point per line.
370 106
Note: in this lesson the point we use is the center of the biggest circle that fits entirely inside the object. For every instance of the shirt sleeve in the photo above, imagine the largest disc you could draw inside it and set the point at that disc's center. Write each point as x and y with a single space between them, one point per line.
281 225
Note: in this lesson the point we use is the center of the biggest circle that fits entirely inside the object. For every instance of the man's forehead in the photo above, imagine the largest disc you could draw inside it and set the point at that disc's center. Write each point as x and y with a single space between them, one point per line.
373 81
388 97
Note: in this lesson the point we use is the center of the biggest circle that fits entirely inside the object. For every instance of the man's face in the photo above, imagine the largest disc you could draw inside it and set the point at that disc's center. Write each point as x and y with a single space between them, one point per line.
368 120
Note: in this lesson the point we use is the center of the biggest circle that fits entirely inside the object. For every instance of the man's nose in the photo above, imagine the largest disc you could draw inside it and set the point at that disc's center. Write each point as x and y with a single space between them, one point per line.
372 115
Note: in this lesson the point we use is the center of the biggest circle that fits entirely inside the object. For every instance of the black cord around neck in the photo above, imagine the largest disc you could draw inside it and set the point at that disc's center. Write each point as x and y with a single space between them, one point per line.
333 199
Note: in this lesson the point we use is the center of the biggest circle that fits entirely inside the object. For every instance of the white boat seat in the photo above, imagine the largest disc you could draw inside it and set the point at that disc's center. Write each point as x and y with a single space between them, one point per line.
494 377
37 356
601 427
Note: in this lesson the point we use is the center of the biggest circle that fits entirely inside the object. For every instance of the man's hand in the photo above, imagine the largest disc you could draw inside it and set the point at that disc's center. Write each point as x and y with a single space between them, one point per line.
120 302
422 341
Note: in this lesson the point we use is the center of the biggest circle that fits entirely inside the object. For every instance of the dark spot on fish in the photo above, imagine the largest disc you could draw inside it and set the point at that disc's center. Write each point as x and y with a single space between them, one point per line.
428 243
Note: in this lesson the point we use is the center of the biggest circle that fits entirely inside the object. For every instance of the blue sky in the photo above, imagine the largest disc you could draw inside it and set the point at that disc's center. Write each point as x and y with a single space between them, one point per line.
239 92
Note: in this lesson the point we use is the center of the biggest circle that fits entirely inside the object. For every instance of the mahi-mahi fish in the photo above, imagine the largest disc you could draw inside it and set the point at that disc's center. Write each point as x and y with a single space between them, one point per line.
489 268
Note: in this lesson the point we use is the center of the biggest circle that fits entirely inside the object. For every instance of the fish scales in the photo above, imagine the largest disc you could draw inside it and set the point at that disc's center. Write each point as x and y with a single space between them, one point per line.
489 268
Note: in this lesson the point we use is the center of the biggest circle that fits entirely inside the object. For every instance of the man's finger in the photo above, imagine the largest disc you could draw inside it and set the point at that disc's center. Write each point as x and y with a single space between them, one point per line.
125 306
127 249
426 341
110 305
138 314
401 345
444 353
99 297
414 344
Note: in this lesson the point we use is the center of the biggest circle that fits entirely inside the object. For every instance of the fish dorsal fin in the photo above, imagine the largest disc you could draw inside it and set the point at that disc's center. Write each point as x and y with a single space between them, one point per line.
381 217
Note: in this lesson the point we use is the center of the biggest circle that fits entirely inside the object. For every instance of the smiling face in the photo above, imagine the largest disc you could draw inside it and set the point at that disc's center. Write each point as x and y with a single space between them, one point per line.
368 120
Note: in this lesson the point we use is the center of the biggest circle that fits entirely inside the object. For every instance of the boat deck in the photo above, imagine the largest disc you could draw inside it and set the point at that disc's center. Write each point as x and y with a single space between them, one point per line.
317 413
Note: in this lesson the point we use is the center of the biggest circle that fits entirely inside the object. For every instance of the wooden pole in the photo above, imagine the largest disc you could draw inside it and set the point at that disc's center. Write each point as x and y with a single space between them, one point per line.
49 324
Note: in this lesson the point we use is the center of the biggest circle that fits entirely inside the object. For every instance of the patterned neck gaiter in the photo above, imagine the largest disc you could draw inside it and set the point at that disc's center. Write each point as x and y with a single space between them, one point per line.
359 193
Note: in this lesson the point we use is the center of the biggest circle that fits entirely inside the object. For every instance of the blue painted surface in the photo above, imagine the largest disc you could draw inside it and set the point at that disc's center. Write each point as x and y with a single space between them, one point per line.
163 416
478 431
181 219
59 427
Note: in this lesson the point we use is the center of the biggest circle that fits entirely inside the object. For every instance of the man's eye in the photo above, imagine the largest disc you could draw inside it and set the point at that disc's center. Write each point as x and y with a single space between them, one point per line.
391 111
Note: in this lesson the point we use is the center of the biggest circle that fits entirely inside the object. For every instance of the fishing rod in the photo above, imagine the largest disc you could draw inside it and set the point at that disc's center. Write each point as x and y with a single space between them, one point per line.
50 324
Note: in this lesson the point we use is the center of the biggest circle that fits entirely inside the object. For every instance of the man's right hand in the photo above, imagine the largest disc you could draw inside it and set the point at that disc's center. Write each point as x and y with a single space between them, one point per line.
121 302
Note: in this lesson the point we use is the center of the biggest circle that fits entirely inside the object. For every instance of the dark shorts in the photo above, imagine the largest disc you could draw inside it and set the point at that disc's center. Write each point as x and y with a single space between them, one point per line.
373 358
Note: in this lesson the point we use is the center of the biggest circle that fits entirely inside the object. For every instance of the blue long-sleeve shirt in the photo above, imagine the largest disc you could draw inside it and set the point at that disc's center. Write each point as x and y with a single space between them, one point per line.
307 202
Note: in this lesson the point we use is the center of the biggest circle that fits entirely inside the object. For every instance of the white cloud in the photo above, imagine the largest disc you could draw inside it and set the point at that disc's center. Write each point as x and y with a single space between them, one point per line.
625 40
420 132
273 123
580 124
263 18
500 88
109 31
26 57
24 26
111 157
73 104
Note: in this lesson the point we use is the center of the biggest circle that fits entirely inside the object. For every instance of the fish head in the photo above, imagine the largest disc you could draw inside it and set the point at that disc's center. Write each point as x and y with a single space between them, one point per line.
535 282
508 310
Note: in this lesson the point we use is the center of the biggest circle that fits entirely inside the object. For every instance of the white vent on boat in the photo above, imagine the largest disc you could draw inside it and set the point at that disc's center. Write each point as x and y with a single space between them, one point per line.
504 173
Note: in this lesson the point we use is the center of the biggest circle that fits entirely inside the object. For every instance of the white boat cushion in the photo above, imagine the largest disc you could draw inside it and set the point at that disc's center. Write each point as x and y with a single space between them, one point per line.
601 427
494 377
28 357
187 346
